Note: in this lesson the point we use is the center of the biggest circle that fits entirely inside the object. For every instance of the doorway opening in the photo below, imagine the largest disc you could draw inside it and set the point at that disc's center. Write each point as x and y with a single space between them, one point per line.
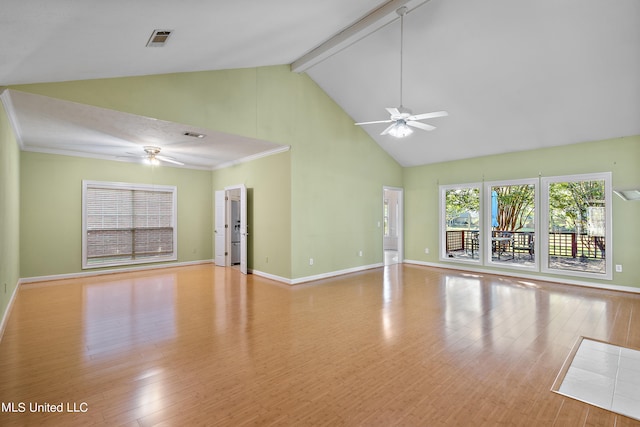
392 229
230 227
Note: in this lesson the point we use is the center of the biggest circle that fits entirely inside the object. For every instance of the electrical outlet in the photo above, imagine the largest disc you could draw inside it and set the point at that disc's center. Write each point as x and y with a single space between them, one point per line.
618 268
310 261
360 253
426 250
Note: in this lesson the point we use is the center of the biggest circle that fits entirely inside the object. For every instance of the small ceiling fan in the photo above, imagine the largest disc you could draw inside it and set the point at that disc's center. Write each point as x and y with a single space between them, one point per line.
152 156
402 119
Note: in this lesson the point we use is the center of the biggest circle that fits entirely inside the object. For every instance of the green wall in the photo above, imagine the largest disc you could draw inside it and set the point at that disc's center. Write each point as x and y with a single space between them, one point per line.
268 182
338 174
323 198
221 100
333 191
9 211
620 156
51 208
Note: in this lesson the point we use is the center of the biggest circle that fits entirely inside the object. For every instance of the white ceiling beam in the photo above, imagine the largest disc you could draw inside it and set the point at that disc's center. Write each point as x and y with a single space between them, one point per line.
372 22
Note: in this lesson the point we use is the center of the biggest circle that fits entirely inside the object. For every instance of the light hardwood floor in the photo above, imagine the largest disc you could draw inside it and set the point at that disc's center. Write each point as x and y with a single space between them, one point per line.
402 345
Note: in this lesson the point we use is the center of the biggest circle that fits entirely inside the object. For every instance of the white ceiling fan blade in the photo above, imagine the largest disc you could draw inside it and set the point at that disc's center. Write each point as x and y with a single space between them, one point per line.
386 131
420 125
428 115
393 111
169 160
376 121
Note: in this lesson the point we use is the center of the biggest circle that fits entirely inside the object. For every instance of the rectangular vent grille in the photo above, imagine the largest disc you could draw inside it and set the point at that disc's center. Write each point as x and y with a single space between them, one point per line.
194 134
158 38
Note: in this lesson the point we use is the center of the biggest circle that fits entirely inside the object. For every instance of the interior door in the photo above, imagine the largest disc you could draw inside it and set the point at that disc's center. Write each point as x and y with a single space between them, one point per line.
244 229
220 229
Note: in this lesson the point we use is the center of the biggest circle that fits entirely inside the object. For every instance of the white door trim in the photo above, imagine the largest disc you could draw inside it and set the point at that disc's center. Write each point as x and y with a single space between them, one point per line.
244 227
400 220
219 228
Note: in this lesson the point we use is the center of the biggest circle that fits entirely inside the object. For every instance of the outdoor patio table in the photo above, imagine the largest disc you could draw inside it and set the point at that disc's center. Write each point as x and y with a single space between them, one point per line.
500 244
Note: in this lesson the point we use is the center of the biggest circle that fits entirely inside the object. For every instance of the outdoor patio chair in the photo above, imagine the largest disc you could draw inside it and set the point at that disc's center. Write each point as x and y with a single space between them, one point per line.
472 243
502 243
523 242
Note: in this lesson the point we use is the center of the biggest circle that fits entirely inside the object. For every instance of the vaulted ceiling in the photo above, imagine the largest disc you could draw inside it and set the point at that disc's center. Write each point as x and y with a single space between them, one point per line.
513 74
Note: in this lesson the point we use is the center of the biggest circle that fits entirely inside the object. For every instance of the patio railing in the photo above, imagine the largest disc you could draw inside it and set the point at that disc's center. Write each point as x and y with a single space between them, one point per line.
576 245
456 240
560 244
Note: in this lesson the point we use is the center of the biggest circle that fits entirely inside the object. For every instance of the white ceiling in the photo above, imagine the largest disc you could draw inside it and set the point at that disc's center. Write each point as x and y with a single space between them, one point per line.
56 126
513 74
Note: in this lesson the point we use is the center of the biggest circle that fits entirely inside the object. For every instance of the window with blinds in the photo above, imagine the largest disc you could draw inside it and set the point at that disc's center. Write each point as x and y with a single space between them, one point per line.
127 223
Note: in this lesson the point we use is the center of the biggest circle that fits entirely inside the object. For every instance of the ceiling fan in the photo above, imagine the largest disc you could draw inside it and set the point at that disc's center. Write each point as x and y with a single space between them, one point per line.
152 156
402 119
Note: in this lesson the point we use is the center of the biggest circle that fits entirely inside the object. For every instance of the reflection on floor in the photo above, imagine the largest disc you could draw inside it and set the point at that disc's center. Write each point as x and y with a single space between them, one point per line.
505 258
391 257
605 375
590 265
403 345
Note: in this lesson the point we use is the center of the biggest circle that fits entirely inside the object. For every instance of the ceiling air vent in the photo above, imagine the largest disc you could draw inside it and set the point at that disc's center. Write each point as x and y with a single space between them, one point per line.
158 38
194 134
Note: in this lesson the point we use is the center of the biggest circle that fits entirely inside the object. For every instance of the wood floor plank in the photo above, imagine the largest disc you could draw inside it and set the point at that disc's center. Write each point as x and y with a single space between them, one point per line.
405 345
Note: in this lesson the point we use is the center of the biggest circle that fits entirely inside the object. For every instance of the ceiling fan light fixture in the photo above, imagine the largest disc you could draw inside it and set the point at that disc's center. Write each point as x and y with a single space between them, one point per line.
400 130
401 118
151 160
151 155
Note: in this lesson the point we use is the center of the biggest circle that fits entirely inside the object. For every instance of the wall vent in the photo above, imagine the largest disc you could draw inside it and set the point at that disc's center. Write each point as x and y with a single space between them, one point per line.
158 38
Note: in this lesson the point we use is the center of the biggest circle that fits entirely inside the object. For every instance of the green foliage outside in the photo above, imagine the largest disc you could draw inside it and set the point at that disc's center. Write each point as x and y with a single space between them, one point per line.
462 206
569 202
516 206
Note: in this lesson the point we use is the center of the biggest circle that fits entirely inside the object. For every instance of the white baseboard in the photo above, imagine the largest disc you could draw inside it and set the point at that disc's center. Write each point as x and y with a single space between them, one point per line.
271 276
306 279
35 279
5 315
515 274
334 273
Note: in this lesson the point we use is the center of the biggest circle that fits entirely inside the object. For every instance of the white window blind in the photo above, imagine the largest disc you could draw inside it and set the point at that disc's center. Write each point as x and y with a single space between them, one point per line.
128 224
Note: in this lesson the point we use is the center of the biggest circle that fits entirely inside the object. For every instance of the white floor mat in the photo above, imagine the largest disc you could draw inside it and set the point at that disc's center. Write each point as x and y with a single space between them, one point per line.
604 375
